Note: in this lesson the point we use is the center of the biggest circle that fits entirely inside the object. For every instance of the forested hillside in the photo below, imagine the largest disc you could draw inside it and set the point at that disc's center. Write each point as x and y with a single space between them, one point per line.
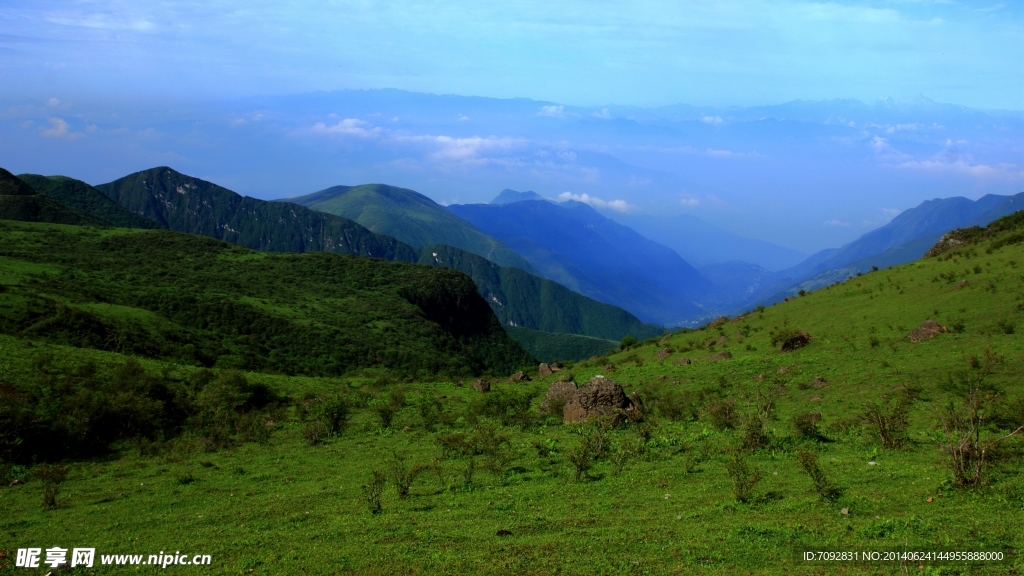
199 301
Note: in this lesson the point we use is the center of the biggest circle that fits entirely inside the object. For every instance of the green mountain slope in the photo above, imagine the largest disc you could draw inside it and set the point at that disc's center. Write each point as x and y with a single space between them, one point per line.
87 200
741 462
410 217
548 347
195 206
187 204
18 201
161 294
528 301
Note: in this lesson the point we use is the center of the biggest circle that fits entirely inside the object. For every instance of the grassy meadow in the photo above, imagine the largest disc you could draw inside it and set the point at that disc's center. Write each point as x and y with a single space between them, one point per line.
493 487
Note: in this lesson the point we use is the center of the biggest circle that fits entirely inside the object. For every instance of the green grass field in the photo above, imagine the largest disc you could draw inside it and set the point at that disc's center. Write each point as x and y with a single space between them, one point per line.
284 506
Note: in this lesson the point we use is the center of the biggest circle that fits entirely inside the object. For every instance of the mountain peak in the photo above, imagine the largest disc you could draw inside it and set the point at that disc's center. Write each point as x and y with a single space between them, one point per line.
511 196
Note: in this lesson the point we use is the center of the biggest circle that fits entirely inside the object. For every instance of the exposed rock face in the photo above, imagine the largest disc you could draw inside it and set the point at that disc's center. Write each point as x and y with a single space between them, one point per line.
482 385
782 370
796 341
927 331
717 341
544 370
558 395
960 285
724 355
519 377
681 361
599 397
718 321
662 354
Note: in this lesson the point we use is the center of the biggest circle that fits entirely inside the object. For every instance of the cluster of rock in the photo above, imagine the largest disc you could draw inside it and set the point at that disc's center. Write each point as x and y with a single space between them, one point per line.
545 370
927 331
599 398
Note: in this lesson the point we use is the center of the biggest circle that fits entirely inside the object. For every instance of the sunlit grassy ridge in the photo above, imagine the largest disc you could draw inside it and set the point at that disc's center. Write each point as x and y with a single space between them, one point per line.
285 506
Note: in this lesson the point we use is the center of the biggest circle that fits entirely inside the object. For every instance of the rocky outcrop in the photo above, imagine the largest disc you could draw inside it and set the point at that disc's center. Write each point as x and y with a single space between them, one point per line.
519 377
558 395
600 397
927 331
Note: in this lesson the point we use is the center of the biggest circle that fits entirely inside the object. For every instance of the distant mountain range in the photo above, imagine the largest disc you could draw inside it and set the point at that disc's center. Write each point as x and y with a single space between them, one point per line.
410 217
165 198
703 244
601 279
904 239
576 246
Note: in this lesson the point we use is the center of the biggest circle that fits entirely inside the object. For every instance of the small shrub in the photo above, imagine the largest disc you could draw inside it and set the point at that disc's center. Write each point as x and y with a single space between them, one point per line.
824 487
385 412
467 473
402 476
874 342
455 445
494 447
678 406
315 432
430 410
619 456
744 476
889 420
755 434
51 476
694 456
597 440
334 412
805 426
510 407
546 447
723 415
581 459
628 342
373 490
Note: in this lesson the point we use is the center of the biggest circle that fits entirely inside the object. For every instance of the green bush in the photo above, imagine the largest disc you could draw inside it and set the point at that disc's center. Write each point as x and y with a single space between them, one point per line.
824 487
743 475
805 425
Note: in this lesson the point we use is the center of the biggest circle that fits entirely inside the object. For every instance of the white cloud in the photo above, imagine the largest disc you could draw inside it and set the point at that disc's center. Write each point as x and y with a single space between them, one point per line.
617 205
348 127
552 111
711 119
962 166
53 102
603 114
835 224
470 148
689 201
60 129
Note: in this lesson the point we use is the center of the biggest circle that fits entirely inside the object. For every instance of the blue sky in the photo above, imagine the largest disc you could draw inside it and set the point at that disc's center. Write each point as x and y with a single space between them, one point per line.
649 107
647 52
